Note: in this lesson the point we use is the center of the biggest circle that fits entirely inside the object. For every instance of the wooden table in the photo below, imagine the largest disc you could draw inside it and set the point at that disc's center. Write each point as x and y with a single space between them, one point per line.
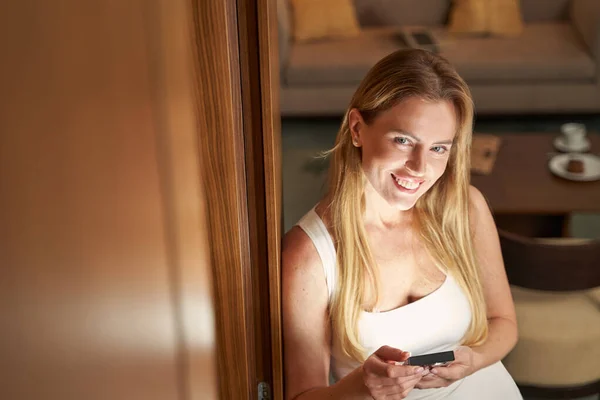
525 196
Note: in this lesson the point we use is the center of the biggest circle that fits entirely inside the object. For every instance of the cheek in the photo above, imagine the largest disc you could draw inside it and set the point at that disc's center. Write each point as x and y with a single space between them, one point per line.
438 166
379 158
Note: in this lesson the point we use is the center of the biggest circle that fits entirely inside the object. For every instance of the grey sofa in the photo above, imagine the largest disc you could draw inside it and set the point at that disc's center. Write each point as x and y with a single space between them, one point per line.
553 67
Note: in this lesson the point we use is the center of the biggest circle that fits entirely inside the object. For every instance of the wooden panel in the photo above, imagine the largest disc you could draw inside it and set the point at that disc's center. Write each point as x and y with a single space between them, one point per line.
85 293
260 89
253 145
221 147
176 115
271 117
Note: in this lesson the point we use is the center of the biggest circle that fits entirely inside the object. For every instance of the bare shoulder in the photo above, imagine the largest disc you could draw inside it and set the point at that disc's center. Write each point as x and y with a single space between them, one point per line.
477 201
298 251
479 210
302 269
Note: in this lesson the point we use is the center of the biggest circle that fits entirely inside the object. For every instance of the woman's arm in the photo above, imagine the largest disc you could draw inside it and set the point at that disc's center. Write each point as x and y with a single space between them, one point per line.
306 327
500 307
307 337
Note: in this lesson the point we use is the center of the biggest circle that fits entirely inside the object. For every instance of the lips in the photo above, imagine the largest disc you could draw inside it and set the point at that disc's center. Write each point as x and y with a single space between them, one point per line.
407 184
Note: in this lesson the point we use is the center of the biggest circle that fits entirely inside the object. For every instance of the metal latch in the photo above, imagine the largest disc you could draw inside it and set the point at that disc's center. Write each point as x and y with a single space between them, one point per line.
264 391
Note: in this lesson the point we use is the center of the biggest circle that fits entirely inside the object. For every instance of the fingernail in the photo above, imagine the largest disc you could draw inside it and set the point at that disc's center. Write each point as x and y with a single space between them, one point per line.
425 372
419 370
434 371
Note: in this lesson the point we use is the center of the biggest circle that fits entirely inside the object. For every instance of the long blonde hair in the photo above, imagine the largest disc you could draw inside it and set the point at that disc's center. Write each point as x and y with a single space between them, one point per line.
441 214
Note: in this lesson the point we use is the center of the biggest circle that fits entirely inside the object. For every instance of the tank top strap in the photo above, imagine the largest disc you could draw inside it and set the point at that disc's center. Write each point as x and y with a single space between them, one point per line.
316 230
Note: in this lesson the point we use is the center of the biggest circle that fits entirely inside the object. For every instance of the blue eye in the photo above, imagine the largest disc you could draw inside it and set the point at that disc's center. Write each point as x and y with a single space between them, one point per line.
401 140
439 149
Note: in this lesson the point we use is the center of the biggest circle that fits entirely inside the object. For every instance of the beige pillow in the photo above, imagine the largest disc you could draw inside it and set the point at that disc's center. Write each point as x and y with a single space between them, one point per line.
468 16
324 19
496 17
504 17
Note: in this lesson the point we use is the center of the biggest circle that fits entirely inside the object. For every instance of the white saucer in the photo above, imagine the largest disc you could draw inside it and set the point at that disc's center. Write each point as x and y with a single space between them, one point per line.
591 167
560 145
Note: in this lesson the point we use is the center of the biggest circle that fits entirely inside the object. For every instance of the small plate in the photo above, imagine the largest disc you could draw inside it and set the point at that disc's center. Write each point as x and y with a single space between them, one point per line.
560 145
591 167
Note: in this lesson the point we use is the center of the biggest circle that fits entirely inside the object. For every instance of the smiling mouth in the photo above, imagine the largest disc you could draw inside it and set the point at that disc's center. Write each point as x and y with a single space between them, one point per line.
408 184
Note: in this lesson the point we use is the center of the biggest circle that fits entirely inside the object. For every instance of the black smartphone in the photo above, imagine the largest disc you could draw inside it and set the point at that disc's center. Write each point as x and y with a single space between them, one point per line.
432 360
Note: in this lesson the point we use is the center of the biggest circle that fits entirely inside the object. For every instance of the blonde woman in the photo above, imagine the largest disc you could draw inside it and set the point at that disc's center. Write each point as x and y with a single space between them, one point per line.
402 255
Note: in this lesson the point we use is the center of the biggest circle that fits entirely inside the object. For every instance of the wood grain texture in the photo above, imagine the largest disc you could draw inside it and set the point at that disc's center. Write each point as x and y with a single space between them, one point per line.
86 286
186 239
271 117
259 68
221 144
253 144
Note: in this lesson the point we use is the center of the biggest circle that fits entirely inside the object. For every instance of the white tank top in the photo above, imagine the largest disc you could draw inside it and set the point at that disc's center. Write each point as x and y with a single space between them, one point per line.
436 322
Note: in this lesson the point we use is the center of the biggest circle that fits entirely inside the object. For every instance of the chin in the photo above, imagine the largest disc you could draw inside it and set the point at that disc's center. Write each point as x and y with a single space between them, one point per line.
403 204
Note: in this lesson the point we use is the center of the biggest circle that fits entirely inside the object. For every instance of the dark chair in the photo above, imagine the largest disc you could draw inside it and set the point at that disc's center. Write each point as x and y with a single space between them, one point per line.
556 289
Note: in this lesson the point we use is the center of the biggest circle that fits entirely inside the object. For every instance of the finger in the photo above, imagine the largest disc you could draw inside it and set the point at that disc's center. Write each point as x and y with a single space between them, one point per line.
386 382
396 392
381 369
387 353
451 372
374 366
394 396
407 371
409 381
432 383
401 391
406 392
382 383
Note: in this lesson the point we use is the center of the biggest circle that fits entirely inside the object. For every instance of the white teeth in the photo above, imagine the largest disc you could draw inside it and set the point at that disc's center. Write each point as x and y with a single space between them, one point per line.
407 184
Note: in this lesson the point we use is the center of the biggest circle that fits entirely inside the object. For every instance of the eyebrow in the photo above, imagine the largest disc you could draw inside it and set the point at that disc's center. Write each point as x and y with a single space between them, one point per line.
403 132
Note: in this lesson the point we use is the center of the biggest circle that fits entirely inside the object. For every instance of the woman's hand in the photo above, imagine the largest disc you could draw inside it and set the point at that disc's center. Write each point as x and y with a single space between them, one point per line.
461 367
386 380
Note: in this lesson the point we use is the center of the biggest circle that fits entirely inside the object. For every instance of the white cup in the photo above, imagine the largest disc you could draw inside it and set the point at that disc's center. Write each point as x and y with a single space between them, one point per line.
573 134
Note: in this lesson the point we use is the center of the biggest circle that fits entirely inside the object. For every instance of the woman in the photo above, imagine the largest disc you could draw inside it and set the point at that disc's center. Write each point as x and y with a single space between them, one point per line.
401 256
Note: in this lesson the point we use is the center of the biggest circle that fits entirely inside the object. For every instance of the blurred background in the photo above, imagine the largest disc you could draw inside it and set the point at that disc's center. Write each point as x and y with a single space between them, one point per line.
533 67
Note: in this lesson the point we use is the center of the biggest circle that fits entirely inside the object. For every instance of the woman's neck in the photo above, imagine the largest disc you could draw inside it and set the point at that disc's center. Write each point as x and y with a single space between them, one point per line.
379 214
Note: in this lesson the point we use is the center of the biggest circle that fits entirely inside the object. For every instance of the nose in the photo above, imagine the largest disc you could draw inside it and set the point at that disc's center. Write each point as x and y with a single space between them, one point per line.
416 163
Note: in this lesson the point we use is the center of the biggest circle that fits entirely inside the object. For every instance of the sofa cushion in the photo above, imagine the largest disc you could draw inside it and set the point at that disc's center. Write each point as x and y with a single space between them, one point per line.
554 327
435 12
497 17
402 12
468 17
318 19
545 10
543 52
341 61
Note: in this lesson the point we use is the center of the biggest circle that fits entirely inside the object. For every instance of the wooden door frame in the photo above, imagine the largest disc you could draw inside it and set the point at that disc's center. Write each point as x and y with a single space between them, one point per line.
240 154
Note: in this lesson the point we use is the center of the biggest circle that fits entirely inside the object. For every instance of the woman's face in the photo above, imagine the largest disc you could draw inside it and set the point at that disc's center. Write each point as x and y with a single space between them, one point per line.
405 149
